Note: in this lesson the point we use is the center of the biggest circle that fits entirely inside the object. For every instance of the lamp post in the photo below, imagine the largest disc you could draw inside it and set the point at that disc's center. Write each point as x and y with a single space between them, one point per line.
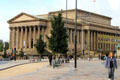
75 35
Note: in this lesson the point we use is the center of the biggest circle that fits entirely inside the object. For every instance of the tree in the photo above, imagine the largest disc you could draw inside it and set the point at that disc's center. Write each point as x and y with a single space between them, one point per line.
6 45
40 45
21 54
1 46
58 41
5 54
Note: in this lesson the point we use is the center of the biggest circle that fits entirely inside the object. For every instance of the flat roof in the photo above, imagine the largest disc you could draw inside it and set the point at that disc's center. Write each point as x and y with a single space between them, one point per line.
83 11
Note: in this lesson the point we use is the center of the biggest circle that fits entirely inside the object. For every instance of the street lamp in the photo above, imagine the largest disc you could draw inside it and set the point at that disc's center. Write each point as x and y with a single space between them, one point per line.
75 35
75 31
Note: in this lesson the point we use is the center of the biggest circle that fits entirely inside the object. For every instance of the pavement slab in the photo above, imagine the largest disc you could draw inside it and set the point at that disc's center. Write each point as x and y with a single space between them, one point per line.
86 70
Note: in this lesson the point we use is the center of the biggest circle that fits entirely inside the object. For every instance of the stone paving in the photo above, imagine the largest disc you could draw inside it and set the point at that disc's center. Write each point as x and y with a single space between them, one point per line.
86 70
8 64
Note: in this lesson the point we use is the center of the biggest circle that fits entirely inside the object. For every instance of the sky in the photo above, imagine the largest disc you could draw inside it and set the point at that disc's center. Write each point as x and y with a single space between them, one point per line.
11 8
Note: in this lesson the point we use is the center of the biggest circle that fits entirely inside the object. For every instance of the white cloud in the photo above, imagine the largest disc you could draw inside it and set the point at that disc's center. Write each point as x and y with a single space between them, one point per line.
105 7
4 31
114 4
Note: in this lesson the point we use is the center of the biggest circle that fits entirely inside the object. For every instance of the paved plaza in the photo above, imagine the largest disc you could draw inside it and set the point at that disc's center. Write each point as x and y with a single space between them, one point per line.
9 64
87 70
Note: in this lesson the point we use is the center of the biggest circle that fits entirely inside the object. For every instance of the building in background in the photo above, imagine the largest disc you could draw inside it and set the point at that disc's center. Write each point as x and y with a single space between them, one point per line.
95 34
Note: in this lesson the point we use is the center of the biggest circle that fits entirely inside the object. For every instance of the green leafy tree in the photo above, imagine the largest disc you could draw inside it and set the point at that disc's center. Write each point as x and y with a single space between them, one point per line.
6 45
5 54
21 54
40 45
1 46
58 41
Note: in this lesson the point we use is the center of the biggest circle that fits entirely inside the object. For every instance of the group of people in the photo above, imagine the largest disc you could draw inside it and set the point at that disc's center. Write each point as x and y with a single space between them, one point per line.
61 59
110 64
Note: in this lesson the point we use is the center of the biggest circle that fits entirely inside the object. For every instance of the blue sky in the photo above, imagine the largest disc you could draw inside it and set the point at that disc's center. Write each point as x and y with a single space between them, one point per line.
10 8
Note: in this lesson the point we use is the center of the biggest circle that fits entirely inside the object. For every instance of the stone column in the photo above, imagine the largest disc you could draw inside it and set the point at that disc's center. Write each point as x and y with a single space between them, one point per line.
71 36
110 42
17 38
91 41
30 36
83 37
25 37
104 43
88 40
13 45
80 37
94 40
68 36
101 42
68 32
43 32
38 31
77 37
10 41
34 36
21 43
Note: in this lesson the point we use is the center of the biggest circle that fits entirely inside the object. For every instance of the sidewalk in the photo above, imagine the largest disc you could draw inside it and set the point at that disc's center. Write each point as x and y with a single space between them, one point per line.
10 64
86 70
21 70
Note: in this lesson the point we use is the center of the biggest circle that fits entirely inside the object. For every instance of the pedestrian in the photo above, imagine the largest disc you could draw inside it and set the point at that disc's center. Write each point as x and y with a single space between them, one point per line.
50 59
111 64
54 61
99 57
105 57
68 59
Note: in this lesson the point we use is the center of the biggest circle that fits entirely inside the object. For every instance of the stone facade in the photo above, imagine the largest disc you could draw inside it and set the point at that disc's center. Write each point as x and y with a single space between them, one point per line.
94 32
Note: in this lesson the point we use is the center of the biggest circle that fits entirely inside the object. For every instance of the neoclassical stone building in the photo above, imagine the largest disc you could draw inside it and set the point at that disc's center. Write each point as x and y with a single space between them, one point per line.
94 32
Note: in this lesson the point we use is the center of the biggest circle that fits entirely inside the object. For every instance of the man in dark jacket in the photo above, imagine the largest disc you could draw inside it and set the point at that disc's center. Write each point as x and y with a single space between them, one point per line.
50 59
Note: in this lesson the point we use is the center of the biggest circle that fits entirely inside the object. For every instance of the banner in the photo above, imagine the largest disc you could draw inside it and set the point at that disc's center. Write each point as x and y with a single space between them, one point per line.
108 39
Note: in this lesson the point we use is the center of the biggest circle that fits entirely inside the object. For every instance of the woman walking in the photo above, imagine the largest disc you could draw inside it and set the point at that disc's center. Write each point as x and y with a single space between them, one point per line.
111 64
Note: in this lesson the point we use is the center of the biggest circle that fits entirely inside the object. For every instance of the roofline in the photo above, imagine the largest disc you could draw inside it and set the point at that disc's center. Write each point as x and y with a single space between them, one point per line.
21 14
83 11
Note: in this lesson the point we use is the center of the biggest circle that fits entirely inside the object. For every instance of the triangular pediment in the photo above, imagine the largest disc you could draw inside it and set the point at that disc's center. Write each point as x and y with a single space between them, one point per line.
23 17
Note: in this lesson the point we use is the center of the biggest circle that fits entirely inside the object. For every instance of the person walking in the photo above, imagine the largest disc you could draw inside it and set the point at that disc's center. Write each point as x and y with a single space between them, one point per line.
50 59
54 61
111 64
